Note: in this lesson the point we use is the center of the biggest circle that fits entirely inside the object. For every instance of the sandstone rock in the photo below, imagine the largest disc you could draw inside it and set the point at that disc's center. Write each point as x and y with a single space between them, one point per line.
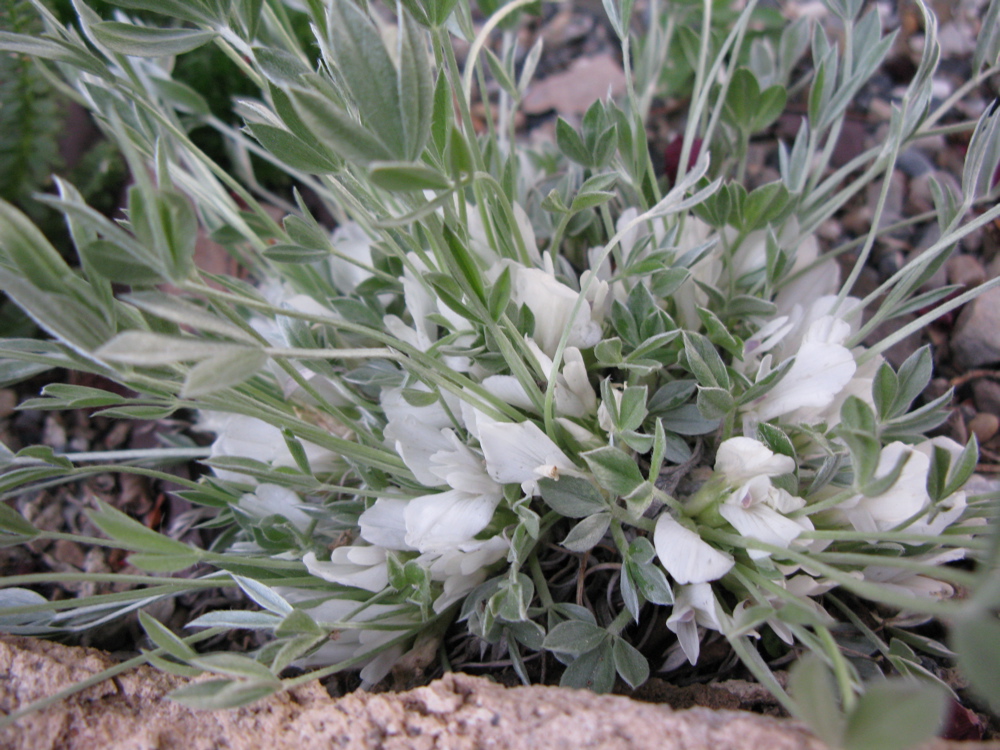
457 712
976 339
574 90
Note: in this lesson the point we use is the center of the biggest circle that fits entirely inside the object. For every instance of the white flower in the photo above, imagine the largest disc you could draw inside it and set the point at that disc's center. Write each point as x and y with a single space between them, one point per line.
461 468
417 432
521 453
742 458
552 304
753 510
463 568
421 304
903 500
909 582
574 396
822 367
247 437
756 507
444 520
694 605
685 555
823 373
358 565
384 524
273 499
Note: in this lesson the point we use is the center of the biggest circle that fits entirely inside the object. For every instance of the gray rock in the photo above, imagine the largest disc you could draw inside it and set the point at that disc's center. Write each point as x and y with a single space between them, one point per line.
976 339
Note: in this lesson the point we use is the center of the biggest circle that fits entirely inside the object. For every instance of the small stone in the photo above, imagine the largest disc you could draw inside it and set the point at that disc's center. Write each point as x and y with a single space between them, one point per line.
986 395
965 270
984 425
976 339
914 163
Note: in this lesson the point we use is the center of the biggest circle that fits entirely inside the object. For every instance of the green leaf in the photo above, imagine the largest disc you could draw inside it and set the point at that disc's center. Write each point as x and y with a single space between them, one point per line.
765 204
185 10
815 699
406 176
704 362
651 582
216 695
223 371
366 68
265 596
614 470
629 663
156 563
885 387
278 66
914 375
118 264
572 497
236 619
291 149
165 639
337 130
145 41
960 472
586 534
895 715
571 144
574 637
287 253
715 403
133 535
974 637
593 670
152 349
46 454
49 48
742 99
298 622
499 295
12 522
776 439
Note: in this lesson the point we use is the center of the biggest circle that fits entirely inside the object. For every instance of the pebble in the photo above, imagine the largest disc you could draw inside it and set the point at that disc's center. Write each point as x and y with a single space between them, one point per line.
913 162
986 395
976 338
920 198
965 270
8 402
984 425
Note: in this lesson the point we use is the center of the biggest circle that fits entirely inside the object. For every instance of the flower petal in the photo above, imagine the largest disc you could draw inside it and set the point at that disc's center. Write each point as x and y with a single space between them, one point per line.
444 520
685 555
518 453
762 523
383 524
742 458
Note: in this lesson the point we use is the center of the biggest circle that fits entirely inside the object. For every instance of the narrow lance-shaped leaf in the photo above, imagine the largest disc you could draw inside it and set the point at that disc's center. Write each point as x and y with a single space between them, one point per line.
144 41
